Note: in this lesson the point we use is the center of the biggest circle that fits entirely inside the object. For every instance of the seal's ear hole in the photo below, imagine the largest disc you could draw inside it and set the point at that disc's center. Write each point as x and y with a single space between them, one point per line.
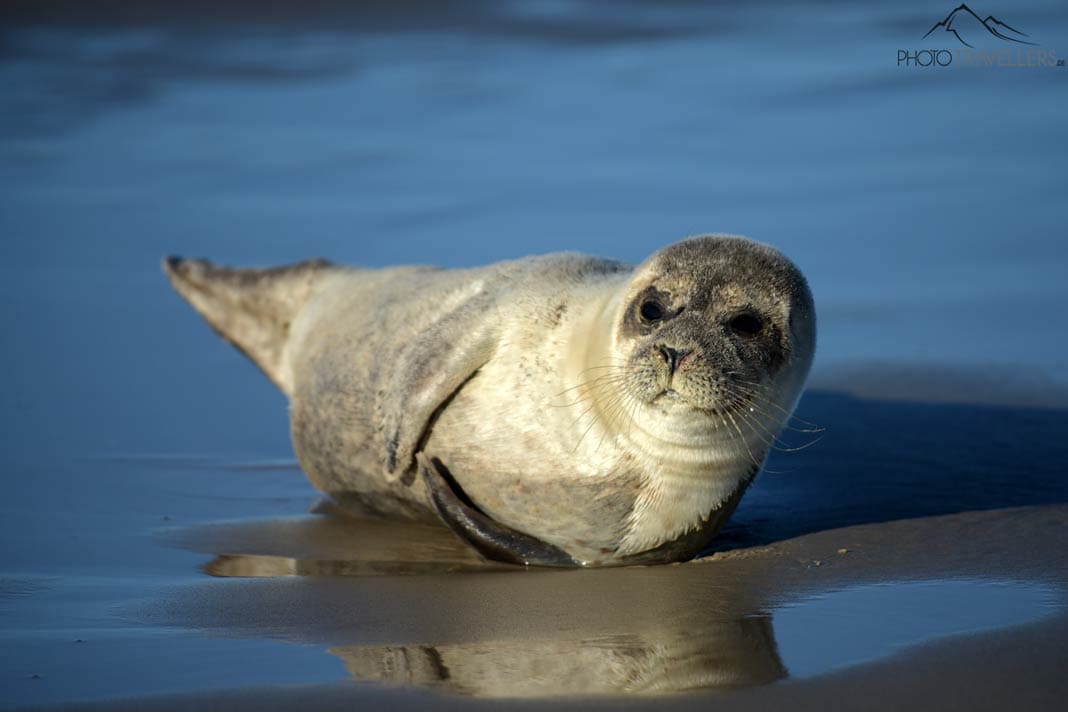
651 310
746 324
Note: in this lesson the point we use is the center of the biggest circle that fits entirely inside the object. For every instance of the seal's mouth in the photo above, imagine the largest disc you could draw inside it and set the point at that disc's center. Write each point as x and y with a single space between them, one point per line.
728 406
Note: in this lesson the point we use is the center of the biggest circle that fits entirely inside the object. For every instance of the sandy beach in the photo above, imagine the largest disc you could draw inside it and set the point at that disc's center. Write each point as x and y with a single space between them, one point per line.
905 546
872 598
919 601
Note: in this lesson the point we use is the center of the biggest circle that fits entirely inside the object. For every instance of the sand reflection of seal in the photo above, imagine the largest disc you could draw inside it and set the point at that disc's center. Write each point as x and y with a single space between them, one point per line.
723 653
559 409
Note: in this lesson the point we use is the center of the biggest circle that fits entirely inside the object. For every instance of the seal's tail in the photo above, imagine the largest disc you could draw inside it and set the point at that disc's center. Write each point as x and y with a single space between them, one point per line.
250 308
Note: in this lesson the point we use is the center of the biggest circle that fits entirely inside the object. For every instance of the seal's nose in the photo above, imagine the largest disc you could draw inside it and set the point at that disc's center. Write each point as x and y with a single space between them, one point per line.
672 357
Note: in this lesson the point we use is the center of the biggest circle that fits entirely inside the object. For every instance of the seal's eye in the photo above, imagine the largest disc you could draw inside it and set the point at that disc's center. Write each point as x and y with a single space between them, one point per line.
746 324
651 311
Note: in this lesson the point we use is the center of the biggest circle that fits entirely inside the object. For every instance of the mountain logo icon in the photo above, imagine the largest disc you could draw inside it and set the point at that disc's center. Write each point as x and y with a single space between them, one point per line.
965 25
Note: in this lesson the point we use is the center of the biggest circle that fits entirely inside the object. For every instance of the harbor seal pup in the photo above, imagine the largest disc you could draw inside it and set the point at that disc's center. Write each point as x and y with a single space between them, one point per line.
554 410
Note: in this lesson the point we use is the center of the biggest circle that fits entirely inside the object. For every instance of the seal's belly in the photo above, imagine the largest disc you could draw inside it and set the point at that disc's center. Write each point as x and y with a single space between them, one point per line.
521 465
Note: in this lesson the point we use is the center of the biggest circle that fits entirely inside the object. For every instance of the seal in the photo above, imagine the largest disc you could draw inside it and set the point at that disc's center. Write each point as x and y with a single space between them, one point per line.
553 410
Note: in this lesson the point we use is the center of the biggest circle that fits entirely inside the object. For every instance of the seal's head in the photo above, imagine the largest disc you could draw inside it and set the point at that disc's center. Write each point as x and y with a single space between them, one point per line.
715 326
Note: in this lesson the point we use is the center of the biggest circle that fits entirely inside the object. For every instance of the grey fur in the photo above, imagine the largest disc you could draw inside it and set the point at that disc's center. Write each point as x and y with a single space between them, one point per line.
473 368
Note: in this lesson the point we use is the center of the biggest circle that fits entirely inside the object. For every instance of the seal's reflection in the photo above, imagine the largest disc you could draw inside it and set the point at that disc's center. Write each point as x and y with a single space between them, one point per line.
654 631
734 653
330 544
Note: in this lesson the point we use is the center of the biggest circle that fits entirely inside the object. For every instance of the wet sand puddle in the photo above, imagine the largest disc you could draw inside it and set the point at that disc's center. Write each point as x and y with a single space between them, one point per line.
494 631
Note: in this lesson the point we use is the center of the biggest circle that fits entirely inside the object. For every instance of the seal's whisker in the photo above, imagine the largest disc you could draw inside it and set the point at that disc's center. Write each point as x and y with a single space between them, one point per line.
581 415
741 436
619 404
760 392
768 439
636 410
758 421
753 419
623 406
781 445
770 442
592 404
589 386
608 409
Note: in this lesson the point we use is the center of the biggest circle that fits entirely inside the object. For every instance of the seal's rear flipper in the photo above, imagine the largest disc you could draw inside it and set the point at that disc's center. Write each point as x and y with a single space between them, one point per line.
492 539
250 308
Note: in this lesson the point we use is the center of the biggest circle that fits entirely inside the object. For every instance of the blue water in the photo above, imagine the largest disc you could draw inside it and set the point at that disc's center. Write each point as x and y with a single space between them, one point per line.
859 624
927 207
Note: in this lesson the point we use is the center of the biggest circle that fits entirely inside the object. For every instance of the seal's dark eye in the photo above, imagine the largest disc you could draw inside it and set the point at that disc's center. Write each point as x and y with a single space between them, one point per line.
746 324
651 311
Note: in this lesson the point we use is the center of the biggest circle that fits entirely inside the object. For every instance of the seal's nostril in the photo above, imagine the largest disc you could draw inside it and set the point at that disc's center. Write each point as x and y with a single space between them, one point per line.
673 358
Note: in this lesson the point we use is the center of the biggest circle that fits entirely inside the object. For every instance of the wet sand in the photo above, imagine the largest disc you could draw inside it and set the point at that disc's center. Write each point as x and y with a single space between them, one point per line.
838 582
700 633
156 545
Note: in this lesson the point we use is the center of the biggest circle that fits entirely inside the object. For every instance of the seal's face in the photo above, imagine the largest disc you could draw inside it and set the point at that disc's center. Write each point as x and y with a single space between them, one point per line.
718 325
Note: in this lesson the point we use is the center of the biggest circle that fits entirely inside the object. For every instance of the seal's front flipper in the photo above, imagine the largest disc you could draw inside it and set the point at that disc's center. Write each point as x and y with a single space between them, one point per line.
428 373
250 308
492 539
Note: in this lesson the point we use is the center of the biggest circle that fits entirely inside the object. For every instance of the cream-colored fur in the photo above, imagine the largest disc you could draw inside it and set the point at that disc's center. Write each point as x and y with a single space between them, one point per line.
538 383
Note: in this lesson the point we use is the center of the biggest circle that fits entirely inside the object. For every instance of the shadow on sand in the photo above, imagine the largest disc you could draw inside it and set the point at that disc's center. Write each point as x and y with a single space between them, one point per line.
884 460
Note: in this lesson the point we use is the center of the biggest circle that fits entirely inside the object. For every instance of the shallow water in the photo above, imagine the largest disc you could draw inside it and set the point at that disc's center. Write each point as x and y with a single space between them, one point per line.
859 624
140 454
